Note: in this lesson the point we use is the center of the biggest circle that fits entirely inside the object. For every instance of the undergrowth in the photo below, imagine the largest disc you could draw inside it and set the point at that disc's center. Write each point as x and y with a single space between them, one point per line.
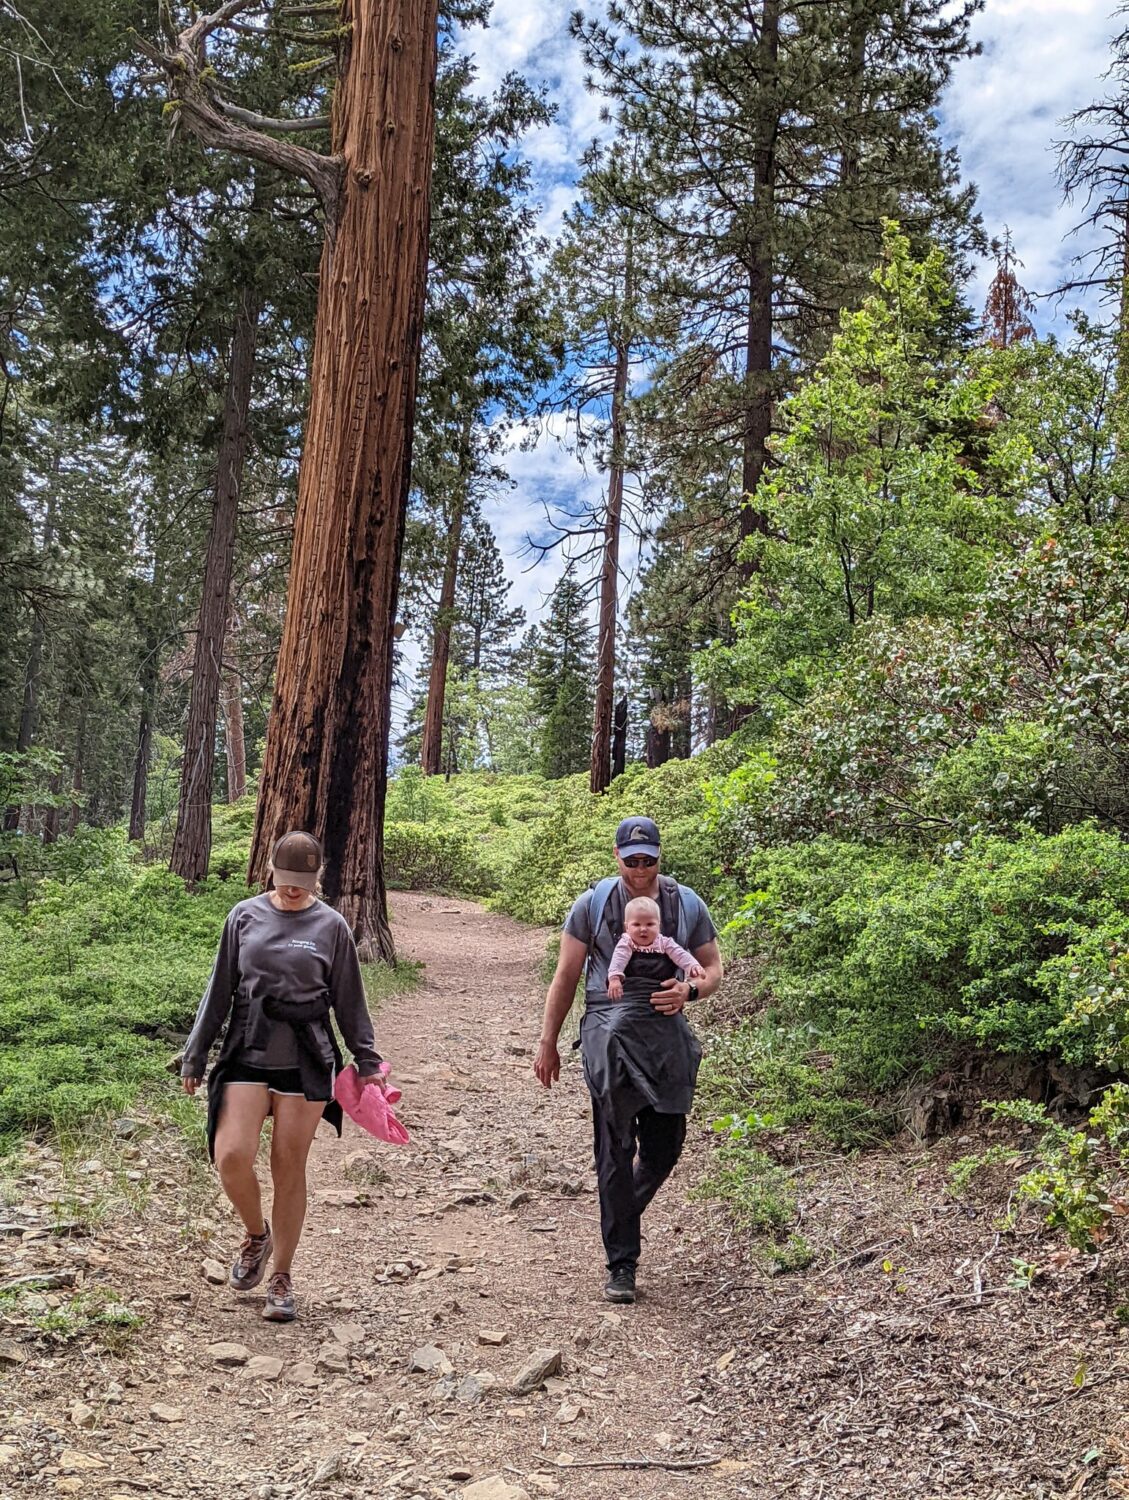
101 971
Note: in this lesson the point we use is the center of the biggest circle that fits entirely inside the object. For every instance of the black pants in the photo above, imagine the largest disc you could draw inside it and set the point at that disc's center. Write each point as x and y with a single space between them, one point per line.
630 1176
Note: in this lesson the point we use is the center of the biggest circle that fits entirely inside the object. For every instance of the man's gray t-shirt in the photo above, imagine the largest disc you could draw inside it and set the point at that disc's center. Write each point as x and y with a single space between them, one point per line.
699 931
291 955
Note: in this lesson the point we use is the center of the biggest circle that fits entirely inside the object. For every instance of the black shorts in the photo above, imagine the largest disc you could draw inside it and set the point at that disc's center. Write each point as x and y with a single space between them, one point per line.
285 1081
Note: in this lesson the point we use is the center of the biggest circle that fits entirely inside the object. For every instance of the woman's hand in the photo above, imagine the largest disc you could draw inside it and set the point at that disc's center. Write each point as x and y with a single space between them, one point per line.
191 1084
379 1079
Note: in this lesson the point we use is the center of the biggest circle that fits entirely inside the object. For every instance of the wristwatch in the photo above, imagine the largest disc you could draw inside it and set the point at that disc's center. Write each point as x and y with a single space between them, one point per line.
691 992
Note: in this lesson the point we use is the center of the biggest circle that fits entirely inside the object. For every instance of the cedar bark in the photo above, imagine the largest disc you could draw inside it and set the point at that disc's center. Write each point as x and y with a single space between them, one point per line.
234 739
192 841
600 770
658 743
325 768
431 749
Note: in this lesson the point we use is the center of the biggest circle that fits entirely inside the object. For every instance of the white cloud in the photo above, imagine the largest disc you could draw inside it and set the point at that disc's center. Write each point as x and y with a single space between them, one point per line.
1042 59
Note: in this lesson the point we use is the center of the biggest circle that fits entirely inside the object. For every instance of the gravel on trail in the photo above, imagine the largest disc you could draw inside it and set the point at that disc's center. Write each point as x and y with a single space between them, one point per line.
452 1340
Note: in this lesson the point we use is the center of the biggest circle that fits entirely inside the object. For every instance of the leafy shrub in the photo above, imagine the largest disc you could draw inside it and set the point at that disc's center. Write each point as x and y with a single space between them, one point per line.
100 977
419 856
1082 1180
416 798
887 954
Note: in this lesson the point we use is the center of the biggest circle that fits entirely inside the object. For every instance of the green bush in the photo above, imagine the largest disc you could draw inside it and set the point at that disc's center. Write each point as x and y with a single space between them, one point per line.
890 955
1082 1176
419 856
99 978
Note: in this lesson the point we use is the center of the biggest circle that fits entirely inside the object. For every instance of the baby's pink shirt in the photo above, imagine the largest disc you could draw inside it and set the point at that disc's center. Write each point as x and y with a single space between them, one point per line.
662 944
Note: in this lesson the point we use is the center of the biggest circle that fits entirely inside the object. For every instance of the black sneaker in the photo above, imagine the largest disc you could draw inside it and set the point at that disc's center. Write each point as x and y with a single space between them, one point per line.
620 1285
251 1263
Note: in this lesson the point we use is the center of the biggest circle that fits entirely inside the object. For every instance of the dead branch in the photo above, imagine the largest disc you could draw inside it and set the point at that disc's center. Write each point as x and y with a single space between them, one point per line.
640 1463
265 122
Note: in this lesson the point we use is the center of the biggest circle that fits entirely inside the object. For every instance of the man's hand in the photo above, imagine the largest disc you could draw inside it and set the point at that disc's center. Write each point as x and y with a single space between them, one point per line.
547 1063
671 996
375 1080
190 1084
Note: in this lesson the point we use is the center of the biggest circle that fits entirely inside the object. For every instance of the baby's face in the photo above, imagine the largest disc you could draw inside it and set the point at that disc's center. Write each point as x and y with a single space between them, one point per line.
643 930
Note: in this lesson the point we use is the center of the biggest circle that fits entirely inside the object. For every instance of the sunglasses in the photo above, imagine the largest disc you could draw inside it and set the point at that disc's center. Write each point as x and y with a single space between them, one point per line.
640 862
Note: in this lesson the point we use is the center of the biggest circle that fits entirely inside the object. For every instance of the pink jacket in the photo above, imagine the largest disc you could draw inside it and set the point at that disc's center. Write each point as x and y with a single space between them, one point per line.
662 944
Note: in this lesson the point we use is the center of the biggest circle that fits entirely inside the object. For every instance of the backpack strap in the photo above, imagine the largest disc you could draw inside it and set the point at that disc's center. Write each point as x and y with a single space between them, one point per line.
597 905
689 909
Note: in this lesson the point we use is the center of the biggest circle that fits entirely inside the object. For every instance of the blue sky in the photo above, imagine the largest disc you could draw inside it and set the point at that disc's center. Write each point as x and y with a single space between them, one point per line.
1041 59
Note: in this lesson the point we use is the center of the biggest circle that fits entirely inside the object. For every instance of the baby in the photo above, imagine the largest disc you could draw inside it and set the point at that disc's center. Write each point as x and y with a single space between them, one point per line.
641 919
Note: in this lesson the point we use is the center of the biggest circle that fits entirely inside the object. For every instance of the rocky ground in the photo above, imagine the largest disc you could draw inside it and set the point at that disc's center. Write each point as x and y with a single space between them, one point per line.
452 1339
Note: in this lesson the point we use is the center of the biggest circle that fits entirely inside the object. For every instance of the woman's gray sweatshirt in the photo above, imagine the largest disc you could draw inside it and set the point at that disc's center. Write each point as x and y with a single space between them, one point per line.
292 955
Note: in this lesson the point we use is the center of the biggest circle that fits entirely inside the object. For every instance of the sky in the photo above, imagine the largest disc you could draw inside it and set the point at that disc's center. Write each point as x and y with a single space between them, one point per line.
1041 59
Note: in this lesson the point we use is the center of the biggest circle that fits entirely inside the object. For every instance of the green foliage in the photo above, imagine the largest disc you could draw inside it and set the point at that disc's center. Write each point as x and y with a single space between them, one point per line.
562 678
891 489
100 976
418 856
768 1076
416 798
893 956
755 1190
99 1314
1082 1180
965 1169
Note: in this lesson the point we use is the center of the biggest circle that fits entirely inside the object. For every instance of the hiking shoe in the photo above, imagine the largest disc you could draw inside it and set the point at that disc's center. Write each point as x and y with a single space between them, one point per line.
620 1285
250 1264
280 1299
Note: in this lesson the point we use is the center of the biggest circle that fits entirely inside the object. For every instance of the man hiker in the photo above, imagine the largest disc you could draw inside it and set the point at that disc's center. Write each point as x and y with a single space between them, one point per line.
640 1055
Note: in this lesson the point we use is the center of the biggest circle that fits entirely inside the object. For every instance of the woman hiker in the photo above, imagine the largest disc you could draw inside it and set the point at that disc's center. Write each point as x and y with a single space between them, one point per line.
285 961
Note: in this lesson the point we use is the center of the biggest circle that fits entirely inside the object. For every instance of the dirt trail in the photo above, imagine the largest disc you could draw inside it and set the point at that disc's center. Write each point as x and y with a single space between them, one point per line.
483 1244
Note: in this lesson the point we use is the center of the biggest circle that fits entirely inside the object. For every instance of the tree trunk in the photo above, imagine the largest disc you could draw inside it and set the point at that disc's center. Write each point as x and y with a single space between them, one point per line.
1121 372
234 740
51 817
619 739
431 749
658 746
600 768
29 712
682 735
137 807
757 426
78 773
325 767
192 841
150 678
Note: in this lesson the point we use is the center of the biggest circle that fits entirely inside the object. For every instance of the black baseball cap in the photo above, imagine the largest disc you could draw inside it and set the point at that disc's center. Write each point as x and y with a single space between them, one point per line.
638 836
296 860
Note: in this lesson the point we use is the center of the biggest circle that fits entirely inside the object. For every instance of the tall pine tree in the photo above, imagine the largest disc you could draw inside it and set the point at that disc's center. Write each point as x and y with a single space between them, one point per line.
563 677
